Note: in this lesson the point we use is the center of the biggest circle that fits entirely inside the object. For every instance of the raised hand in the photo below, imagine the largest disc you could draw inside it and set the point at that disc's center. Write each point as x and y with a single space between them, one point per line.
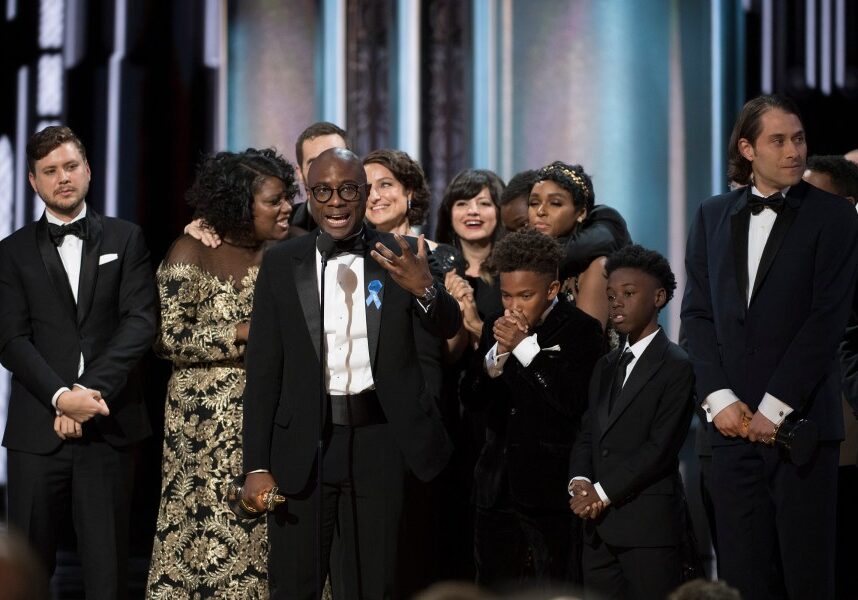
461 290
509 330
81 404
410 271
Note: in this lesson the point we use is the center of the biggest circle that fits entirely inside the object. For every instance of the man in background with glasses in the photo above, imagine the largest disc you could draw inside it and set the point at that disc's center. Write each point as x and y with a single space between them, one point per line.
379 417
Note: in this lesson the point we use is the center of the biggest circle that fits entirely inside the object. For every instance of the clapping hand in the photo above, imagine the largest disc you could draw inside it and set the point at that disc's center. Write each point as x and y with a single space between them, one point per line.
509 330
461 290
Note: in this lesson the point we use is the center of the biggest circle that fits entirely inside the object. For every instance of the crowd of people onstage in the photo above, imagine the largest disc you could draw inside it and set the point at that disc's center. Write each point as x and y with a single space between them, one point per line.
501 405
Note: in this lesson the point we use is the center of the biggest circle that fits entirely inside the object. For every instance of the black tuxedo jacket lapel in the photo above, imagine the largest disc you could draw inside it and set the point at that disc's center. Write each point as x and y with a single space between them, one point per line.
89 266
54 267
373 271
739 224
307 286
776 237
646 366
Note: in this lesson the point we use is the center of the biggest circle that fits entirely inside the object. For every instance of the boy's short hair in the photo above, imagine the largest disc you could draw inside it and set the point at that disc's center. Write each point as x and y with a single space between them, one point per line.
843 173
527 250
648 261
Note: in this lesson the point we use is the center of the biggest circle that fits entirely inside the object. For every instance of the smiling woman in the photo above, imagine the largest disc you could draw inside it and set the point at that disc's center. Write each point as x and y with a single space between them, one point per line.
206 299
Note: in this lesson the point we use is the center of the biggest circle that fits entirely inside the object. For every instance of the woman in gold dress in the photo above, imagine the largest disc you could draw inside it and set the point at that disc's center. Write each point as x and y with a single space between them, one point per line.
201 549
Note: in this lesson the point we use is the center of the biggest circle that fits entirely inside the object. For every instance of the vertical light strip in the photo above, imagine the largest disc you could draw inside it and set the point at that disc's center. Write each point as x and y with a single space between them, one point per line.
717 83
216 58
114 97
73 44
333 84
408 77
767 50
506 98
810 43
840 43
484 85
21 134
11 9
676 172
825 53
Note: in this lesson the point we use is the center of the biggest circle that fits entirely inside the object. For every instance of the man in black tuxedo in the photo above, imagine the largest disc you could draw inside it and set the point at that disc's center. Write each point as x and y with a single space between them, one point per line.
379 416
77 312
771 275
624 468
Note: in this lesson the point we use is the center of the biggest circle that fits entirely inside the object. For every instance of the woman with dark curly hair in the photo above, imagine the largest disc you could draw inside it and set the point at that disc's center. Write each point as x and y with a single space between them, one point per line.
562 205
398 199
201 550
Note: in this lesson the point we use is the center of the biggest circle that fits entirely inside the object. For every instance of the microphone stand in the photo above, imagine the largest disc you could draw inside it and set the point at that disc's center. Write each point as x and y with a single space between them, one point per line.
325 244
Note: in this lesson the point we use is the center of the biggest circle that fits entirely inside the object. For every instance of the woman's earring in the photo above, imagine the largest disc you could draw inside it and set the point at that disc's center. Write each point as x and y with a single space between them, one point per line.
409 204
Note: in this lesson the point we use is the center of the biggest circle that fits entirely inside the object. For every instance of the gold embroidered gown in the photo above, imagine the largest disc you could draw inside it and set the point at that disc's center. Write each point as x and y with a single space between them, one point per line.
201 549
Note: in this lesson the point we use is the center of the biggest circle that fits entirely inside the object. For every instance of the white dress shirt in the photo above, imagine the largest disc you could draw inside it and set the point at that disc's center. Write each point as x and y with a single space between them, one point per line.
71 253
758 234
349 370
637 349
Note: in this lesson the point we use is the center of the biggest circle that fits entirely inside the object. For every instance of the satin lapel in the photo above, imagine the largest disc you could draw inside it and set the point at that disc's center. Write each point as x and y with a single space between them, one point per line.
645 368
372 271
89 266
739 223
307 286
605 388
54 267
776 237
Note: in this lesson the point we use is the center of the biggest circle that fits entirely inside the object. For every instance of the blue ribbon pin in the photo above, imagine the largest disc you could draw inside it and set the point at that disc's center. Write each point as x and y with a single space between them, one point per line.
374 288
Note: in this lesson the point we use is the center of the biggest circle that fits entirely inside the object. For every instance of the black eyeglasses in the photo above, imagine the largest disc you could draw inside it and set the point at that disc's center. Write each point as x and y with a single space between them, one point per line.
348 192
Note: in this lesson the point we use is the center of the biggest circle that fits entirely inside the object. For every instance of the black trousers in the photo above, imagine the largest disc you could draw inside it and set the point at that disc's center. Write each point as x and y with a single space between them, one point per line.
89 481
507 535
363 474
776 522
629 572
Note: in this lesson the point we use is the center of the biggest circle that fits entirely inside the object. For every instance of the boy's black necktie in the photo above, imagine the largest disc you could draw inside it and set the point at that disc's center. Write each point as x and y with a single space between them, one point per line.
619 377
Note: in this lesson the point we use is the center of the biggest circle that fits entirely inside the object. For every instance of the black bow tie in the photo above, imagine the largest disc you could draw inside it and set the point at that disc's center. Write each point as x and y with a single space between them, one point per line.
354 244
78 229
775 202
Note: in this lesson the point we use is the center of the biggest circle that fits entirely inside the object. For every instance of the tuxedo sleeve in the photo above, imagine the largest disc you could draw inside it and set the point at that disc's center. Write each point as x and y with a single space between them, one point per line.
264 360
17 352
813 348
667 434
698 322
108 371
581 455
849 358
443 317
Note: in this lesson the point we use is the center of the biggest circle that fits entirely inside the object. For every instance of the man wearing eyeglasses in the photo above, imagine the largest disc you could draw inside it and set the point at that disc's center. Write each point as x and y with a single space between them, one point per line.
379 416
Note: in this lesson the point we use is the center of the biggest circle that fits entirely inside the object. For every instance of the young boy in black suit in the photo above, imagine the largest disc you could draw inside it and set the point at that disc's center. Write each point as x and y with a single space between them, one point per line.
624 468
531 379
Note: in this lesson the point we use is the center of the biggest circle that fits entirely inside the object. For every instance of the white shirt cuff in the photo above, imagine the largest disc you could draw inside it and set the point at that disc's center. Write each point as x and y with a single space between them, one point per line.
718 401
495 361
602 495
56 397
259 471
773 409
526 350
